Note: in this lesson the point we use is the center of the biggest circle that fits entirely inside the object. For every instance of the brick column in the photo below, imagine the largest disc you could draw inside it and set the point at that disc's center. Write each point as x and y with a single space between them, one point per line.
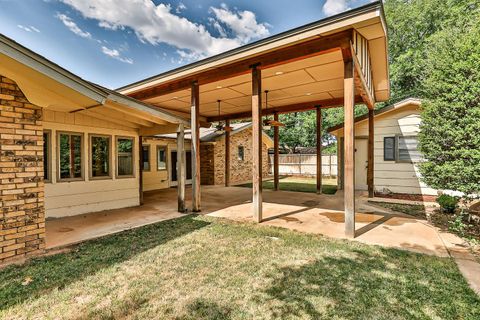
22 212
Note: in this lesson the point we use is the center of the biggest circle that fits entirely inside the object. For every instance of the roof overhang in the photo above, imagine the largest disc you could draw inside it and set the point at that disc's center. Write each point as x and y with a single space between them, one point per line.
408 102
301 68
49 86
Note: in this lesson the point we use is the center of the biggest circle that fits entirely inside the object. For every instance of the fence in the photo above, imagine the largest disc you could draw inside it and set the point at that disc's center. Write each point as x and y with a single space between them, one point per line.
305 164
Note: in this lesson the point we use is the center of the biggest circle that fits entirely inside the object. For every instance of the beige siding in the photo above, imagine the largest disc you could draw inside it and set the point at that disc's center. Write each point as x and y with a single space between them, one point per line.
77 197
391 176
154 179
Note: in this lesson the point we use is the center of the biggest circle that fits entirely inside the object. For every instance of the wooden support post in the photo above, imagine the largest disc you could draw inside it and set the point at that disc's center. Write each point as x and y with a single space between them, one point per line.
140 169
371 158
340 164
319 150
257 142
227 154
195 129
181 170
349 153
276 130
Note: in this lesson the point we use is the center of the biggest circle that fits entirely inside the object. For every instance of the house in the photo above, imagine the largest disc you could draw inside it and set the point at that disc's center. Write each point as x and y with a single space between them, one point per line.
68 146
396 154
161 152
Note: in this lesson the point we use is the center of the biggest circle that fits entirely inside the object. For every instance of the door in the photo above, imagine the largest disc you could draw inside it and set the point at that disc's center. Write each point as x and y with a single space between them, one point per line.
361 164
173 167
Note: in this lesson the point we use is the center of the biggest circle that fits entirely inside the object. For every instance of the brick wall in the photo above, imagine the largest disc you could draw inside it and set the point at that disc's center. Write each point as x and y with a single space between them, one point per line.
207 163
239 170
22 213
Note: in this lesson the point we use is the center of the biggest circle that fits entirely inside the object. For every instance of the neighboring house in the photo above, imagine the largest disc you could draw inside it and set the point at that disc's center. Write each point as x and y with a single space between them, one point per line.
162 152
396 153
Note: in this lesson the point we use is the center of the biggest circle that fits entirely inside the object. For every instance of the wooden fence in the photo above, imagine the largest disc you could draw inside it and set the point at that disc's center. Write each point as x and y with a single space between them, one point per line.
305 164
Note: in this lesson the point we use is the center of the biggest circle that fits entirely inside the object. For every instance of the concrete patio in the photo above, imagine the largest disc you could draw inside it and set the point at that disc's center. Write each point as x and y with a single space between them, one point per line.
305 212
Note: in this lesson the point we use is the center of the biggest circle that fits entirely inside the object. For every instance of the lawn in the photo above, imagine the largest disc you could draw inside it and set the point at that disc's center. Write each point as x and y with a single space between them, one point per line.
300 184
203 268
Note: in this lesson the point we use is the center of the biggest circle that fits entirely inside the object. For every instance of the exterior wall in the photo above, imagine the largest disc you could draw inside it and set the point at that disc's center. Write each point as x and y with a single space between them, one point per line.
89 195
154 179
239 170
207 163
22 213
391 176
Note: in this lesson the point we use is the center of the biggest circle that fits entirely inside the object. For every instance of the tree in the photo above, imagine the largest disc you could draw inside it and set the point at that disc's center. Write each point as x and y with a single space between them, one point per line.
450 130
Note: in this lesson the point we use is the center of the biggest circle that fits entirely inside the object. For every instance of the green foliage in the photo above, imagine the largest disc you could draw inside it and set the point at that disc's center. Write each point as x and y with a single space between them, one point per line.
447 203
449 136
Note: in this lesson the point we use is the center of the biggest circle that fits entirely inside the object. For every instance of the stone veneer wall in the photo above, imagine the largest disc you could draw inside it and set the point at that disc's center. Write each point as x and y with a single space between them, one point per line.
22 213
207 163
239 170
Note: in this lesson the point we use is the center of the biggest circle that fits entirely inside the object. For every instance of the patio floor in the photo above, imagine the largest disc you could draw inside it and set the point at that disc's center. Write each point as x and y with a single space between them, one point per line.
306 212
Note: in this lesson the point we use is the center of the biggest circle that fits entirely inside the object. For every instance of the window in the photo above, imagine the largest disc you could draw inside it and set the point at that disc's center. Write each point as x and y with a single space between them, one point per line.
100 156
401 149
241 153
46 155
407 150
146 158
389 149
124 157
70 156
161 158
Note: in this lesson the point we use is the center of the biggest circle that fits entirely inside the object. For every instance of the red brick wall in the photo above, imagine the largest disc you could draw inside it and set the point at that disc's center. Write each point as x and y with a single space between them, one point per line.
22 213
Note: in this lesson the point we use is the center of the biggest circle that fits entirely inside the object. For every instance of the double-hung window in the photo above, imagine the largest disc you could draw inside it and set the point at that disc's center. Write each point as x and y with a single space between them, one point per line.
161 158
241 153
100 156
124 157
146 157
401 149
70 156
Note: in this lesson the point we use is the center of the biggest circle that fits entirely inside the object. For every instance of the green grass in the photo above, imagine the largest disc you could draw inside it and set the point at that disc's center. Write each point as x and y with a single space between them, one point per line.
204 268
299 184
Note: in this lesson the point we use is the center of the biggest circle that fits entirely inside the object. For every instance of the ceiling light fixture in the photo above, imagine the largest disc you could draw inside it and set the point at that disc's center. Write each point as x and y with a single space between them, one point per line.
278 73
219 87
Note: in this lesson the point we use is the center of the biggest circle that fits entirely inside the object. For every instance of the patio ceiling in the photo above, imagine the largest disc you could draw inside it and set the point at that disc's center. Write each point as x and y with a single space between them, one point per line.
300 68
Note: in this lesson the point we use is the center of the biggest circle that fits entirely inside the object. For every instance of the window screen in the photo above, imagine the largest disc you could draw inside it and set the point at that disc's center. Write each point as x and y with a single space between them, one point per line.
46 156
70 156
408 149
100 156
125 156
161 158
389 148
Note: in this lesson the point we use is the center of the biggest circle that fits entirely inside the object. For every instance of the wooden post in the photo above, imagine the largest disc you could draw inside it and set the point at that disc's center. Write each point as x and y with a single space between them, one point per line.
257 142
227 154
276 130
340 163
181 167
349 153
140 169
195 128
319 150
371 158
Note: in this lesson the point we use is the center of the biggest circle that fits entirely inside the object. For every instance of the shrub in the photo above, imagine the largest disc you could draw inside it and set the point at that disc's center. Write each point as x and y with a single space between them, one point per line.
447 203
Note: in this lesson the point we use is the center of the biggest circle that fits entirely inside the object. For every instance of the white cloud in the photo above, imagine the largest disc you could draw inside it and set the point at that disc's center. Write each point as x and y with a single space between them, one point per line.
70 24
115 54
180 7
156 24
28 29
332 7
243 23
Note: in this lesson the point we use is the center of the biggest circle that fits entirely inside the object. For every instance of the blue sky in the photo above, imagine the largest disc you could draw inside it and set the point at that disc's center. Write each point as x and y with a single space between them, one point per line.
117 42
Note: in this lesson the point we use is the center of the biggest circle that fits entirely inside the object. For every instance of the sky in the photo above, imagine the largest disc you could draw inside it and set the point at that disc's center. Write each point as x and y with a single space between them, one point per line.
116 42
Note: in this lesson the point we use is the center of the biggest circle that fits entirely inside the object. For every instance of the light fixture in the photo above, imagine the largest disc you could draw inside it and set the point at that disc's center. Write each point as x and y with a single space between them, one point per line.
278 73
219 87
220 128
267 123
308 94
